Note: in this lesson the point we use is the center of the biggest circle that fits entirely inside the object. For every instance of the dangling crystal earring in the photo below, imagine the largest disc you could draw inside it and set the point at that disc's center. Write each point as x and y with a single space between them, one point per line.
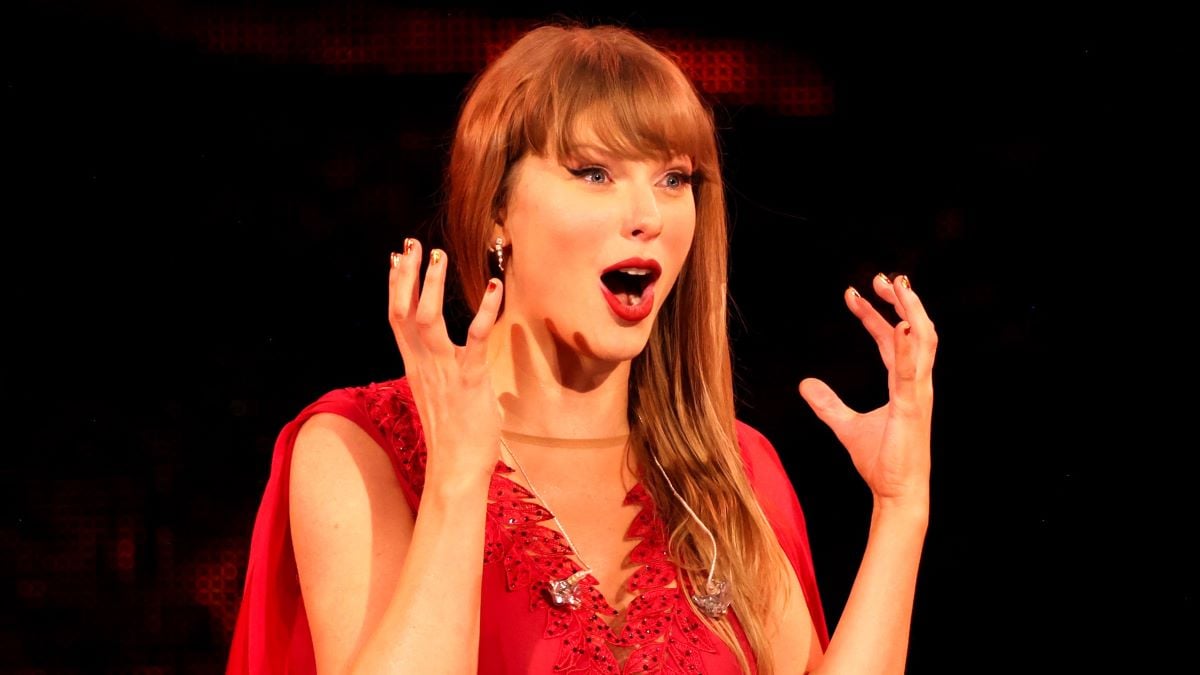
499 249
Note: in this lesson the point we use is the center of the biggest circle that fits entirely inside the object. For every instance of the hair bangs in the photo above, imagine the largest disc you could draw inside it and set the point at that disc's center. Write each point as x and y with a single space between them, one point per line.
632 100
636 120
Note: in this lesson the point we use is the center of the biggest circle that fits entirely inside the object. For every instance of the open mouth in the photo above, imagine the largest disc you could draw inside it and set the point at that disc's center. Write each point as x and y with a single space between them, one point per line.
628 284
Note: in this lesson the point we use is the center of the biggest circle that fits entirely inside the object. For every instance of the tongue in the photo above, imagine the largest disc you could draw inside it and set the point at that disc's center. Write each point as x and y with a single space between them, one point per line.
629 299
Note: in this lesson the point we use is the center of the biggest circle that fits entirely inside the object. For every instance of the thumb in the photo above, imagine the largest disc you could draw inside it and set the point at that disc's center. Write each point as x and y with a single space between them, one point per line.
825 403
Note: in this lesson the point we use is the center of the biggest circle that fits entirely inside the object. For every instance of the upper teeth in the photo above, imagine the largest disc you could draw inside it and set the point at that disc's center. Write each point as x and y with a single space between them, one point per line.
636 271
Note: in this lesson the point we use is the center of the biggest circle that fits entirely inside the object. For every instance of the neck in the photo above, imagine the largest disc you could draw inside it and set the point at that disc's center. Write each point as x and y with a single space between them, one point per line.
547 390
558 442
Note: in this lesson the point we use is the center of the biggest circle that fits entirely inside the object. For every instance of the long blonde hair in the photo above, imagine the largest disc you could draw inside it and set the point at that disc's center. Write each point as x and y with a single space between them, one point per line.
681 404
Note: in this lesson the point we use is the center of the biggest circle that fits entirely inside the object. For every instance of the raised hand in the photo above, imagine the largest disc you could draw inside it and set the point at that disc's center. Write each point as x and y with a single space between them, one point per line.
889 445
451 385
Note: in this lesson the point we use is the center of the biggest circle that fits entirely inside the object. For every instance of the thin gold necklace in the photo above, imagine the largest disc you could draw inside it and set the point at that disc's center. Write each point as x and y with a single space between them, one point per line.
566 592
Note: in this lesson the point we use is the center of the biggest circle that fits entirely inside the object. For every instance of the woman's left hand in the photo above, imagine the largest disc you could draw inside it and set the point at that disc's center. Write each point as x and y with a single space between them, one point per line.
889 445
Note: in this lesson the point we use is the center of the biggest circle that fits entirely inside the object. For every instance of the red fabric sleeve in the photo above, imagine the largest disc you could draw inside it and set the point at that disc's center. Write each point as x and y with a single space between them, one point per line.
778 498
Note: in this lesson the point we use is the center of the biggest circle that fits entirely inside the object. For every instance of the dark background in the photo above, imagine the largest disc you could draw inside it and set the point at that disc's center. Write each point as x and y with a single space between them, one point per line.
200 198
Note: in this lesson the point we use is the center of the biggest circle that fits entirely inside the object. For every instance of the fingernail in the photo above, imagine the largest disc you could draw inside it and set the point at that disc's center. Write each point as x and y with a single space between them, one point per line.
904 281
854 292
492 285
884 278
435 257
409 243
396 258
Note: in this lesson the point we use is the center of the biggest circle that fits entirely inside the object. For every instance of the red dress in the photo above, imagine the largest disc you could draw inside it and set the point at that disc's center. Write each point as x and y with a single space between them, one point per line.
520 632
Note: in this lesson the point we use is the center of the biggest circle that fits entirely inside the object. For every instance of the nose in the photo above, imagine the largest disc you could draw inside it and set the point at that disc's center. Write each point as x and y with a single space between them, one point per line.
645 219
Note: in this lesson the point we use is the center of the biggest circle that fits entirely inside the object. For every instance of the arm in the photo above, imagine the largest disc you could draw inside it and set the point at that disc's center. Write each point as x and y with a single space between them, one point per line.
387 592
890 448
872 634
374 579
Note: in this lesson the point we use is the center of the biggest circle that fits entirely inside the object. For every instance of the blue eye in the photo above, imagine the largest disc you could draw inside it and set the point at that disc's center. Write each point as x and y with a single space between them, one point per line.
678 180
591 174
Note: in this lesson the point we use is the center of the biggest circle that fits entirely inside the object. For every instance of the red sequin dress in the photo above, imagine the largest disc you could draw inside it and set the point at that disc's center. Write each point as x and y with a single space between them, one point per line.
520 631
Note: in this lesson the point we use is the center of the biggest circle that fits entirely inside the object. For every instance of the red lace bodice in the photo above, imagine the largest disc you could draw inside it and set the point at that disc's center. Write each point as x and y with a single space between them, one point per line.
659 632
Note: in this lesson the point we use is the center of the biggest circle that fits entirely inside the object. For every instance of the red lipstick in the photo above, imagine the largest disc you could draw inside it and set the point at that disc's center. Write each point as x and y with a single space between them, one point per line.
637 269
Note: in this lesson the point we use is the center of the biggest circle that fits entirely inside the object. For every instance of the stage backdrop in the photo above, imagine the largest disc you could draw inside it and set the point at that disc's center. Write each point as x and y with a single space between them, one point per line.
201 199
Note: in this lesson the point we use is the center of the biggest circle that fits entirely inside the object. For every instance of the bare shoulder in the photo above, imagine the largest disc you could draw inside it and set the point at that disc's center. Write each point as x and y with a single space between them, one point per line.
351 527
332 449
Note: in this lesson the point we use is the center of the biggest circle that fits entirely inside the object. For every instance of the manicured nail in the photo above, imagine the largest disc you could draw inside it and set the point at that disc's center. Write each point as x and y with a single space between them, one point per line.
409 243
396 258
854 292
492 285
435 257
884 278
904 282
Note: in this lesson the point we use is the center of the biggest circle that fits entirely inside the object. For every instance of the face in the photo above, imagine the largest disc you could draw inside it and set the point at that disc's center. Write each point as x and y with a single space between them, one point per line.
597 242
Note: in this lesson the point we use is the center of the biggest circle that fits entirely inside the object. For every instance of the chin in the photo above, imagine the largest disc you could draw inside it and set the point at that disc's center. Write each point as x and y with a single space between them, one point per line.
619 354
613 345
626 344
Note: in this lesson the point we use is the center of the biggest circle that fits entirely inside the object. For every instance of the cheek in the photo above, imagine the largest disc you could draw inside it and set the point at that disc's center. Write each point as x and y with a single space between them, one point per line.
556 219
678 237
558 240
683 229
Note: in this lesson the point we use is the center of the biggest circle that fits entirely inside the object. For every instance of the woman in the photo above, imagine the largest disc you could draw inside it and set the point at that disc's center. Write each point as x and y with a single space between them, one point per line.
582 443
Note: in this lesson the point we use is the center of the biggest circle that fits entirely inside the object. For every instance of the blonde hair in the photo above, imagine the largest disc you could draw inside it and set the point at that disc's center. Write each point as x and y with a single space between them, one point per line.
640 104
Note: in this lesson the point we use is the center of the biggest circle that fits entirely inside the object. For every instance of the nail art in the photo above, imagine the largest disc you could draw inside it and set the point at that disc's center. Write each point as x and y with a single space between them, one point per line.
435 257
409 243
396 258
885 278
904 281
854 292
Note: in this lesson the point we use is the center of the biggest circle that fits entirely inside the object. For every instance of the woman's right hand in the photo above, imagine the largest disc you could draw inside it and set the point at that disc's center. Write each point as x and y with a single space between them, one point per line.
451 385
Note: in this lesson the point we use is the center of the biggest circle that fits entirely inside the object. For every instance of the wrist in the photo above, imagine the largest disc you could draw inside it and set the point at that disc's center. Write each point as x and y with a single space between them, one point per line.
914 505
458 483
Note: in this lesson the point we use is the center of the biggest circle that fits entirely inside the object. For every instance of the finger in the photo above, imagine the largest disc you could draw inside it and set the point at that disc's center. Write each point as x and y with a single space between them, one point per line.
905 369
827 405
475 352
428 319
886 289
402 280
878 327
911 389
402 289
922 326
